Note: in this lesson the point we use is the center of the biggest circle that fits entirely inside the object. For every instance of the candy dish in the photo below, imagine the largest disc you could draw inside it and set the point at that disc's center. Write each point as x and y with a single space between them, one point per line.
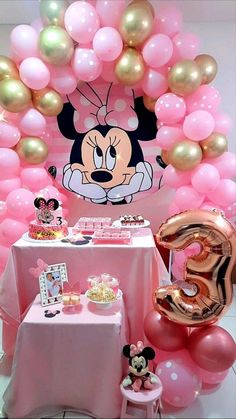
104 304
117 224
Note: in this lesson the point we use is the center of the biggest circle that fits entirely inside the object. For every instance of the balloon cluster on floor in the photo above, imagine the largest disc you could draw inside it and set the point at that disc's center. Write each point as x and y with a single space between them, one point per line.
121 41
192 349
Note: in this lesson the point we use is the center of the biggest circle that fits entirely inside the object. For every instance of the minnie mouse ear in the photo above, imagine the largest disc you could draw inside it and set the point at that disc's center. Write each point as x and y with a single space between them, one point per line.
38 202
53 204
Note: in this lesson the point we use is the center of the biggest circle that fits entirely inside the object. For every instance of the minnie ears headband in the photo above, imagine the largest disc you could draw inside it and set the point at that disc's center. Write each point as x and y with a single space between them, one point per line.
41 203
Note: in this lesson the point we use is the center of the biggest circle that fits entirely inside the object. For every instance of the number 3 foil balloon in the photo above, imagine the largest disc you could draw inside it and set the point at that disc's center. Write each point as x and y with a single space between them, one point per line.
208 273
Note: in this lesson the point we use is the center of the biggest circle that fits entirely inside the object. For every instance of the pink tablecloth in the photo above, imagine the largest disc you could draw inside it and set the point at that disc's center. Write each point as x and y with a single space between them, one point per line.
138 266
71 361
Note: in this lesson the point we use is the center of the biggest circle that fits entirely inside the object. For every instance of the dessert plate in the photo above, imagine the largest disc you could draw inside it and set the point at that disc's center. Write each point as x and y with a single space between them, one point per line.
105 304
118 224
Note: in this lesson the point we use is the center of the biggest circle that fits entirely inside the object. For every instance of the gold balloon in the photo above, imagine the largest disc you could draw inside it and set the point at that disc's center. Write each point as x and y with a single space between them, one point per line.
184 77
209 274
214 145
55 45
208 67
185 155
130 67
165 156
149 103
145 3
14 95
136 23
52 12
8 68
32 150
48 102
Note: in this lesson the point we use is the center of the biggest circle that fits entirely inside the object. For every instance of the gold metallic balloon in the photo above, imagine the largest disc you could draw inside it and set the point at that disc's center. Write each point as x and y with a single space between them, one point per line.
184 77
14 95
52 12
185 155
165 156
48 102
214 145
136 23
8 68
208 274
32 150
55 45
130 67
208 67
147 4
149 103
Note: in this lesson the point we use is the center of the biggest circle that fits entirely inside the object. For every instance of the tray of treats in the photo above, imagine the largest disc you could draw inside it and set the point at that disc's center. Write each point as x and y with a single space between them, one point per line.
131 221
111 236
102 295
87 225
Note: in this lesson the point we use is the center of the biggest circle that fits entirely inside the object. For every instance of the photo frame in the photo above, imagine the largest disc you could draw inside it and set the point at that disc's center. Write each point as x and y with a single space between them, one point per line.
51 284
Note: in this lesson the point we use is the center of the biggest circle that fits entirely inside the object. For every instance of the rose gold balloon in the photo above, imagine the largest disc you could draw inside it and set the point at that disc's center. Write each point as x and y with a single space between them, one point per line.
214 145
185 155
209 273
149 103
212 348
163 334
165 156
184 77
208 67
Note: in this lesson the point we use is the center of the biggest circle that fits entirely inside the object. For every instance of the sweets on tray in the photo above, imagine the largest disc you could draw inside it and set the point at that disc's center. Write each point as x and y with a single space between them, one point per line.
130 220
49 223
90 224
101 293
111 236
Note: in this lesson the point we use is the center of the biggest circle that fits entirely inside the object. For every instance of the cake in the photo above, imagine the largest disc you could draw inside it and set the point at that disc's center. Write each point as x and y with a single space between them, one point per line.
88 225
130 220
49 223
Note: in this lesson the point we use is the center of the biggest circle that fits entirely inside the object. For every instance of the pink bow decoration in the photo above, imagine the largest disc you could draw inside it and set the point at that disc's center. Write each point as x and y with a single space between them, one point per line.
72 289
41 266
135 350
52 204
100 103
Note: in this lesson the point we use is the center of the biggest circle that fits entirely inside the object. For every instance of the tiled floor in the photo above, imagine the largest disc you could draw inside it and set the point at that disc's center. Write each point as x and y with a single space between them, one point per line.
214 402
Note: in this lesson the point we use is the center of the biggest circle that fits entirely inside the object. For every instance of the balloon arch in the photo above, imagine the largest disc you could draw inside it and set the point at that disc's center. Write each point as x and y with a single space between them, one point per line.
138 52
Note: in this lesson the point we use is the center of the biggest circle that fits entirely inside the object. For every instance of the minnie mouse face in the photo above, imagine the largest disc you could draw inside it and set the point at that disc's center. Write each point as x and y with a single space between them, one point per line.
138 361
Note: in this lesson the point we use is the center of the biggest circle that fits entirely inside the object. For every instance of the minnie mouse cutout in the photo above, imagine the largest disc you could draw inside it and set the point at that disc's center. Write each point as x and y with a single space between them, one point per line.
45 208
139 376
106 123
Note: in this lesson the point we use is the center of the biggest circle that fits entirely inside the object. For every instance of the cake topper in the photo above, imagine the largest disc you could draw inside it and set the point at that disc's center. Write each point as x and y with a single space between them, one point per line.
45 208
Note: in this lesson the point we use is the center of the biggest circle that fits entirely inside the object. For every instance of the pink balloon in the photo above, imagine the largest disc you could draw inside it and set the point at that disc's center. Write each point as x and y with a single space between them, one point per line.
107 44
187 45
8 185
48 192
225 164
4 252
192 250
9 163
205 178
173 209
3 210
168 21
108 72
206 98
180 259
81 21
170 108
224 194
12 230
181 383
24 41
212 348
110 12
154 83
86 64
186 198
38 25
223 123
34 73
167 136
9 134
208 205
63 79
20 203
198 125
34 177
230 211
177 272
164 334
158 50
175 178
208 377
32 122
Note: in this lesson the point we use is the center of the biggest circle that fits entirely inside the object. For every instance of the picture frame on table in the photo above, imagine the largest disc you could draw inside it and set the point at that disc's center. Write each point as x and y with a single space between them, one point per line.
51 284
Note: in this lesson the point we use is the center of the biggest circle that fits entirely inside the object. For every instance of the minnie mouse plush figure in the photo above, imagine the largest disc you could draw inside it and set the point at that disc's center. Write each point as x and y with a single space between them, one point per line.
139 376
106 123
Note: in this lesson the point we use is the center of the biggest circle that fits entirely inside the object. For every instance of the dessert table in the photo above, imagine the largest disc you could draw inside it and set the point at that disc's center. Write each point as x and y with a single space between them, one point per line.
71 361
138 266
